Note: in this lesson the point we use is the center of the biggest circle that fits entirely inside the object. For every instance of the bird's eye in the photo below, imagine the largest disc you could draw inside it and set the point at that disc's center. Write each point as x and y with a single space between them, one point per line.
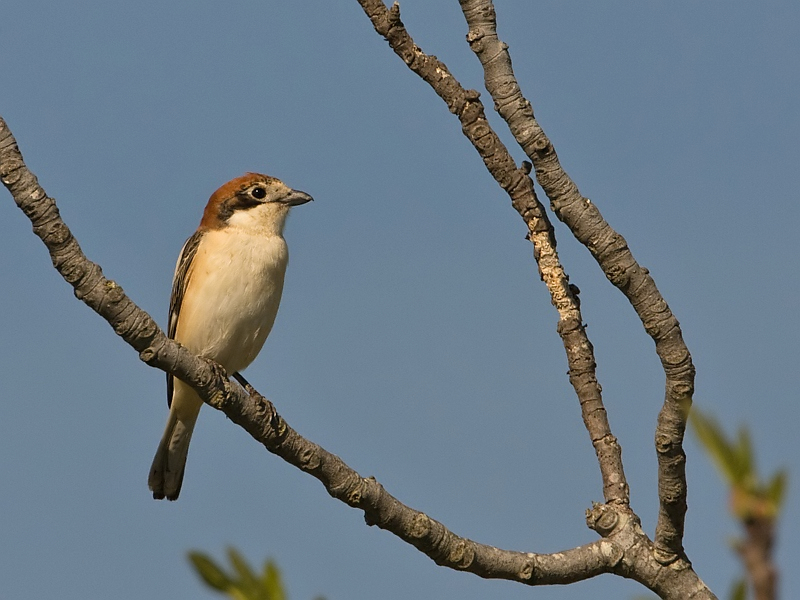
259 193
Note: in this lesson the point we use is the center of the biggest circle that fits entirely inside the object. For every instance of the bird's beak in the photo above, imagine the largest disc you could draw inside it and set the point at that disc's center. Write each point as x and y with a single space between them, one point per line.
295 197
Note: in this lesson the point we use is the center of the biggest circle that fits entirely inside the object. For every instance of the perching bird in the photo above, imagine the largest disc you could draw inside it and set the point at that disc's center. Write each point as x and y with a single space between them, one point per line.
225 295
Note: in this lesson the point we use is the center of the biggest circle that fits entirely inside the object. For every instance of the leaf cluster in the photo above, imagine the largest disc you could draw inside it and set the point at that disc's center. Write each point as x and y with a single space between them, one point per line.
751 498
241 582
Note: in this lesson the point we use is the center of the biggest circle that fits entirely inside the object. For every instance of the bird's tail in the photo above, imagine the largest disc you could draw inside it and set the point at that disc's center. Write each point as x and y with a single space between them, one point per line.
166 474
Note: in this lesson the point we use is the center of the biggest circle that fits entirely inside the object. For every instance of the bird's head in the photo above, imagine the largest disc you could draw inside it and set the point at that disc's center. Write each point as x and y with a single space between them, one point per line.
253 201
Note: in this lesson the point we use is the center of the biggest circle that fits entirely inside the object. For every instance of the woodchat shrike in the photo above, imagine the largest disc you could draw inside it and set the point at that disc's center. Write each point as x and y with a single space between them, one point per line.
225 295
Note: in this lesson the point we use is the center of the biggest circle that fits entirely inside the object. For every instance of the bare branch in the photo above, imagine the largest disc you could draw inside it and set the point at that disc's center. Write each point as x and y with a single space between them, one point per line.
102 295
259 418
254 413
615 259
642 561
465 104
756 554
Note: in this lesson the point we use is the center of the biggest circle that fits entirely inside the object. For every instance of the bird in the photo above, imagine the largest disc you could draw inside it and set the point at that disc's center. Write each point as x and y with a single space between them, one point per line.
225 295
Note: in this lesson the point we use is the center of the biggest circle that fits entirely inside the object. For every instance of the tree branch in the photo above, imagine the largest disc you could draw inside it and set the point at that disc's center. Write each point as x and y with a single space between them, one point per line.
466 105
615 259
673 576
259 418
254 413
756 554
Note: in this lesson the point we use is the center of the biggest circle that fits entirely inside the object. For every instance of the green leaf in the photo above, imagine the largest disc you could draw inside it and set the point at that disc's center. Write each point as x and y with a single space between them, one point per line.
739 590
238 594
775 491
271 582
209 572
248 581
713 439
745 459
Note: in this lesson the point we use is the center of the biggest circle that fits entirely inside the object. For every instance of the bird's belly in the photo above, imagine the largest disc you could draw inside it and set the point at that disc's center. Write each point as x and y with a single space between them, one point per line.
233 303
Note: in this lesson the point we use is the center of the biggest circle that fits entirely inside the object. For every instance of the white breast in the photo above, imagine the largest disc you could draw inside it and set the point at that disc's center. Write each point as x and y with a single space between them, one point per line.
233 294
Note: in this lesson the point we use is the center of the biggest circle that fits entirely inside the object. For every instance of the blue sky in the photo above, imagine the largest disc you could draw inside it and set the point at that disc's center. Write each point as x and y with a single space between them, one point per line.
415 339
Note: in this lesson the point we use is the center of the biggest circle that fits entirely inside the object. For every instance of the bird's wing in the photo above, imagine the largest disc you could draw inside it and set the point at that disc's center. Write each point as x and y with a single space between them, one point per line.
179 283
